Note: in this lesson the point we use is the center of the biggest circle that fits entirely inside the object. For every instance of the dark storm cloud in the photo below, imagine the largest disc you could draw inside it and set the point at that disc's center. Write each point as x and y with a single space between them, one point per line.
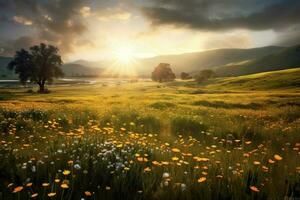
9 47
224 15
289 37
55 21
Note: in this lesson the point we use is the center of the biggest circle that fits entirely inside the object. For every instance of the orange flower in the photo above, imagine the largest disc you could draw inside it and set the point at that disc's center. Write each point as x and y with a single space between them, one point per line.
64 186
271 161
88 193
28 184
175 150
277 157
18 189
254 189
201 179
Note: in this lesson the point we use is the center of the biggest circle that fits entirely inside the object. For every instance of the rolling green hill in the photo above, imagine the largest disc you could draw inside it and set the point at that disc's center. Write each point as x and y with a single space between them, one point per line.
281 79
284 59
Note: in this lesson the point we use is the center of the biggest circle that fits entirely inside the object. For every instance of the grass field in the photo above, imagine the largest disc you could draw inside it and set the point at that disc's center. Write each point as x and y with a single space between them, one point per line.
232 138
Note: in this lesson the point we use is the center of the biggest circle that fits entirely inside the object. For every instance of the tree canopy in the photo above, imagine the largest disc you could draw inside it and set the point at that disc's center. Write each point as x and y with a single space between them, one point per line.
162 73
204 75
39 65
185 76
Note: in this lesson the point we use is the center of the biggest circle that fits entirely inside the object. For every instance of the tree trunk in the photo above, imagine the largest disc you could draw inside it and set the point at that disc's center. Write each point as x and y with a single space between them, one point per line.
42 88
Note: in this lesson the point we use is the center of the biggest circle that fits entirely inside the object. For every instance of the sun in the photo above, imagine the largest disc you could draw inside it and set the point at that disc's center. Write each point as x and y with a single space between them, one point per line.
124 62
124 55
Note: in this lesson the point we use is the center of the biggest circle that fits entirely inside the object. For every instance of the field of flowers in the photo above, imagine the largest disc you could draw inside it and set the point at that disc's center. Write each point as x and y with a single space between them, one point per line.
149 142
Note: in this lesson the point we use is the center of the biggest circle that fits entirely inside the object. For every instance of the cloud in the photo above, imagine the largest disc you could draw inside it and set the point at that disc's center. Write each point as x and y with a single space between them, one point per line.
22 20
217 15
57 22
111 14
289 37
85 11
228 41
9 47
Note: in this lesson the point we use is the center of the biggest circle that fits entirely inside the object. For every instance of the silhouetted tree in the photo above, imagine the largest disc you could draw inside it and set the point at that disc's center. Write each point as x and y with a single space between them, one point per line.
204 75
185 76
163 72
40 65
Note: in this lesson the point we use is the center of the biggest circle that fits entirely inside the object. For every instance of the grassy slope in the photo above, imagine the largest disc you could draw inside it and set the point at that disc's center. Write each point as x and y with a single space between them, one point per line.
285 59
282 79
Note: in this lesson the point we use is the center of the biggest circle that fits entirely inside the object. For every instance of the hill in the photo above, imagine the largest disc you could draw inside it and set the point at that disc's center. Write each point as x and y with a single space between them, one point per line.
72 69
284 59
281 79
193 62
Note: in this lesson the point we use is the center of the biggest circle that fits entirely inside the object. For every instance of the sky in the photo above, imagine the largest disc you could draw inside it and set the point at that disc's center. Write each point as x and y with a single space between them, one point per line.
102 29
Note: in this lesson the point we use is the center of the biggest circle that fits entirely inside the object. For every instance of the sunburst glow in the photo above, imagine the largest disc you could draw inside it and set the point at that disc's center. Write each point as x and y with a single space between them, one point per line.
124 55
124 62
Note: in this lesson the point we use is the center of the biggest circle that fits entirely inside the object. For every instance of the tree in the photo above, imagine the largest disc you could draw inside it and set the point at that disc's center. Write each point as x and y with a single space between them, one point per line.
163 72
204 75
185 76
38 65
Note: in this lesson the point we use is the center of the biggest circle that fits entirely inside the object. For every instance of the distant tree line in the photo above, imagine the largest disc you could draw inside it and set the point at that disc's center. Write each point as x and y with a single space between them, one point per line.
164 73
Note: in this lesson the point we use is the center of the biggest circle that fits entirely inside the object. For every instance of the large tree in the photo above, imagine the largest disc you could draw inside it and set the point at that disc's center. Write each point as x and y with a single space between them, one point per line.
204 75
163 72
38 65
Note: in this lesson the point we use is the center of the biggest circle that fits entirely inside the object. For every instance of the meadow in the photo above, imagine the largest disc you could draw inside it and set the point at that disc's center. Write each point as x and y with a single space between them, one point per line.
225 139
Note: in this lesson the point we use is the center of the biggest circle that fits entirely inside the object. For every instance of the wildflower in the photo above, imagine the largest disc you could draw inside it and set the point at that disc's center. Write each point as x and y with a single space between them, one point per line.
254 188
28 184
56 180
201 179
34 195
77 166
64 186
256 163
175 150
45 184
166 183
155 163
166 175
277 157
88 193
51 194
271 161
18 189
107 188
66 172
175 158
9 185
147 169
183 186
